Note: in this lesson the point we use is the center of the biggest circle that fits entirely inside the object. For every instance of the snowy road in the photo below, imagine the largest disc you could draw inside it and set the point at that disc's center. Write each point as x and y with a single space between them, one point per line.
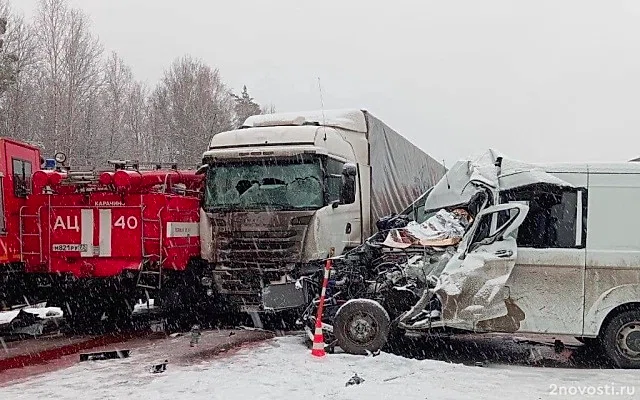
282 368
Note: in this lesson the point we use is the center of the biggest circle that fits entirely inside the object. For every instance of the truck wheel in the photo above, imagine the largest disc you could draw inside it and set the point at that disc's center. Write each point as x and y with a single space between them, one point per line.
621 339
361 326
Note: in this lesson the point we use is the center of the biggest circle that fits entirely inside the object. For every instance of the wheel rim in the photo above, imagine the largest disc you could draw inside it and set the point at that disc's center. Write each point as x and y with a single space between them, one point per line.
361 328
628 340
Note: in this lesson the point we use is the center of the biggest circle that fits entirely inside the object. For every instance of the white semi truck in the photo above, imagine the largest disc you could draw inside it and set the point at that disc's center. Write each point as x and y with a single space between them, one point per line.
288 188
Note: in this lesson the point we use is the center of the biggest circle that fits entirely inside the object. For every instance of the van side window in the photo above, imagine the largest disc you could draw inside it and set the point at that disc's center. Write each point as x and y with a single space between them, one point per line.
333 180
21 177
552 218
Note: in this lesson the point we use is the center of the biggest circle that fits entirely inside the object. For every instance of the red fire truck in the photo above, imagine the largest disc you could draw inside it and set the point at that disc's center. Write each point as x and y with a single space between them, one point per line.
92 242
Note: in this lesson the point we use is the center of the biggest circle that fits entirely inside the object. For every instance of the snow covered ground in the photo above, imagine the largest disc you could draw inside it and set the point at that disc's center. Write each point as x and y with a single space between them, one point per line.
283 368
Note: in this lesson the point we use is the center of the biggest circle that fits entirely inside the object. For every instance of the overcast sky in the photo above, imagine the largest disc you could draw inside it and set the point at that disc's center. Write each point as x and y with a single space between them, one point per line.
538 80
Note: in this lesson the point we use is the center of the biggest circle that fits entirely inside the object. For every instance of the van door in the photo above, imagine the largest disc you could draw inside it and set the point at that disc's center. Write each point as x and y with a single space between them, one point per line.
472 285
612 273
547 283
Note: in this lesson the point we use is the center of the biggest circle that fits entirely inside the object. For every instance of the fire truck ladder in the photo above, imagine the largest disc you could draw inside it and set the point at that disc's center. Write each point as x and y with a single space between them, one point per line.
150 276
23 235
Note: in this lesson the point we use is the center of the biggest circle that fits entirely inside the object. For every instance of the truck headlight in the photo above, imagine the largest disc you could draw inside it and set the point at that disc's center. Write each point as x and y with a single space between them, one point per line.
206 281
301 220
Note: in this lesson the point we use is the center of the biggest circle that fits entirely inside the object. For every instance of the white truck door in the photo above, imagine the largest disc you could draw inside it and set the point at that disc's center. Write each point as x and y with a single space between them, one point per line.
547 283
340 222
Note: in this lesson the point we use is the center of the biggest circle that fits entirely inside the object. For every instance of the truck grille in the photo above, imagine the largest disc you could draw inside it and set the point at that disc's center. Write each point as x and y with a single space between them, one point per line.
248 260
259 248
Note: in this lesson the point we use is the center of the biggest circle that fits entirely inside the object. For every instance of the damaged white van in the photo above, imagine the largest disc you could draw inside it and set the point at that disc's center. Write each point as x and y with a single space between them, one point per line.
544 249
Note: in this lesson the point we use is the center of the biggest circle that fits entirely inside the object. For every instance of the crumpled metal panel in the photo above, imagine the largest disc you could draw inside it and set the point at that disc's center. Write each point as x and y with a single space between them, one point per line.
467 177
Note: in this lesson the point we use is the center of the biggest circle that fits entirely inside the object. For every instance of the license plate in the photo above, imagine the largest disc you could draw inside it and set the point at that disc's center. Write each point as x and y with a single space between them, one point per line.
82 248
282 296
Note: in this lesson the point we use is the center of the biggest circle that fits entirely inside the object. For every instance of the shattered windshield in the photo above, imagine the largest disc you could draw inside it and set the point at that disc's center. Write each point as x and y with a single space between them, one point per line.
258 184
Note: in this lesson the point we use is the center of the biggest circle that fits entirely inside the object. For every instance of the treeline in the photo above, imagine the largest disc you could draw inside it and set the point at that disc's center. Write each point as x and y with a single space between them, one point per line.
60 90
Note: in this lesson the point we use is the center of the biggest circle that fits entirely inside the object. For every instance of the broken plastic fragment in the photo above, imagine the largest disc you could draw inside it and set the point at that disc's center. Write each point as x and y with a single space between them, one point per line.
355 380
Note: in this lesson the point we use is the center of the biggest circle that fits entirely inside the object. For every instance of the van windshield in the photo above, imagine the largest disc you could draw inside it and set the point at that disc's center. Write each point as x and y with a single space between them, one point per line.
290 184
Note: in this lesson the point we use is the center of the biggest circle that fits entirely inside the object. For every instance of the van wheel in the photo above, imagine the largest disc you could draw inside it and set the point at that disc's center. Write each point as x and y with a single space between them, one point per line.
621 339
361 326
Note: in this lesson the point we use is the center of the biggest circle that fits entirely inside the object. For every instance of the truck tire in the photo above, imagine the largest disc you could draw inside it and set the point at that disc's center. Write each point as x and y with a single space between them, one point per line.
620 339
361 326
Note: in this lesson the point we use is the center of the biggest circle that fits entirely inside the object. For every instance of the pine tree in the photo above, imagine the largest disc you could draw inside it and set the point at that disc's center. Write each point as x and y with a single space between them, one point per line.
245 106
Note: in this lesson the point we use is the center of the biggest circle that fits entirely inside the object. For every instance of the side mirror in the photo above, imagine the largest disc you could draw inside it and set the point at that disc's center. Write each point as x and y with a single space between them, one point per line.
348 189
202 169
350 170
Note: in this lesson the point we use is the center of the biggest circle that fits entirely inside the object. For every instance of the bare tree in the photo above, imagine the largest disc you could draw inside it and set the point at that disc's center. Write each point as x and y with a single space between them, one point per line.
268 109
136 119
69 78
195 105
118 80
51 27
19 102
82 76
58 91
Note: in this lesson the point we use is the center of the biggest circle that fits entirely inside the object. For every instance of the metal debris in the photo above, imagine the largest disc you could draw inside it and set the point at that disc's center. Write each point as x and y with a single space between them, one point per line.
159 368
104 355
355 380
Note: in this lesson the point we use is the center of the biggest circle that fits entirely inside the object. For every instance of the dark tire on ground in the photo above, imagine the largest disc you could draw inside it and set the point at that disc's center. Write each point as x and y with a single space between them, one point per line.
620 339
361 326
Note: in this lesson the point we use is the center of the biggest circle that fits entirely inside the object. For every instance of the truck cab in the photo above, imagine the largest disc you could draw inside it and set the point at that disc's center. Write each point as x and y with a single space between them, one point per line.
278 193
17 163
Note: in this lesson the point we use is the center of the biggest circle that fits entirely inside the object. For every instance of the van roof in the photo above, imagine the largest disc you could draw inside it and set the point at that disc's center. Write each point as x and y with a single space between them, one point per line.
593 167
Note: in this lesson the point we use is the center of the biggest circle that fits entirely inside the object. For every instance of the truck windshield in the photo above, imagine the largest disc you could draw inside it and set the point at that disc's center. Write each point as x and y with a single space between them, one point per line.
280 184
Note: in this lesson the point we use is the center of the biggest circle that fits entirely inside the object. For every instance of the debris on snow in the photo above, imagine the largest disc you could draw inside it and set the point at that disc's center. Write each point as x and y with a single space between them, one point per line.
31 321
144 307
104 355
159 368
355 380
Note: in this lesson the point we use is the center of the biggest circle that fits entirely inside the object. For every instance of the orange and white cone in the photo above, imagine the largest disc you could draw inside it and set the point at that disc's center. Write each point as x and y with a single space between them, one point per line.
318 336
318 341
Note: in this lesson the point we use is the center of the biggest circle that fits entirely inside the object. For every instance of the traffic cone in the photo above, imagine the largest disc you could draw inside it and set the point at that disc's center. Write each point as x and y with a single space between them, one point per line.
318 341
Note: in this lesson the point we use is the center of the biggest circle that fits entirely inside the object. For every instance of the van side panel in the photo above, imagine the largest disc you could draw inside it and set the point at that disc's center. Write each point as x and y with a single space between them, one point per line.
613 246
